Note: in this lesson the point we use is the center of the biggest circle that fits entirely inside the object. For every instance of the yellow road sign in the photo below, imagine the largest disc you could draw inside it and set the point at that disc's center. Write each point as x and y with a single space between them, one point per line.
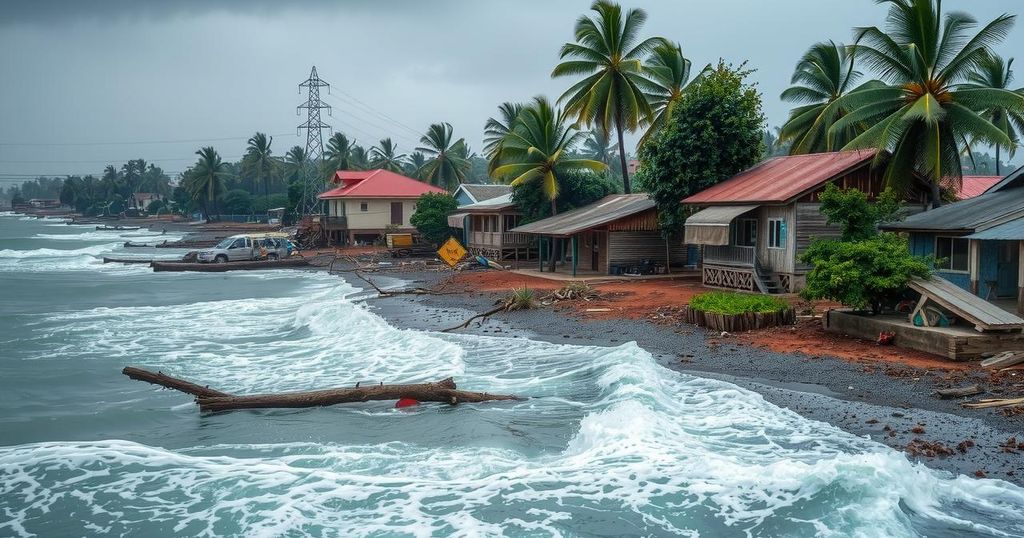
452 251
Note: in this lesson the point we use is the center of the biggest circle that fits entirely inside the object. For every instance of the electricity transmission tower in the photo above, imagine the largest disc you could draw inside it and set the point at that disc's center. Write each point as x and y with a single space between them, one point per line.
314 141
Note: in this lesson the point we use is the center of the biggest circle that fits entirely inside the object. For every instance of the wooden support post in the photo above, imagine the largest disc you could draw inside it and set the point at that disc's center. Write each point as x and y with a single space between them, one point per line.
974 263
540 253
1020 276
575 254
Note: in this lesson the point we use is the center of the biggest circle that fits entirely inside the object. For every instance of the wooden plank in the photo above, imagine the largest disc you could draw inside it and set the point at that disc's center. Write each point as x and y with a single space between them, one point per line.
981 313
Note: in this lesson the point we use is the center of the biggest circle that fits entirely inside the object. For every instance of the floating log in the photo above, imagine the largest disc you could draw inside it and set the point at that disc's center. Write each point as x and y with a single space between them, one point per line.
958 392
129 244
164 380
444 391
294 261
127 260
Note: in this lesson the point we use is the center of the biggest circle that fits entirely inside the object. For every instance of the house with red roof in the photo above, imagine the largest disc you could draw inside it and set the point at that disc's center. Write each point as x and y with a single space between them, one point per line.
367 203
971 186
753 227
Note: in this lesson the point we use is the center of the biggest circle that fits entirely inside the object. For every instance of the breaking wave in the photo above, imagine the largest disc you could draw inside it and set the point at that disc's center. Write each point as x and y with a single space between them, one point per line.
609 443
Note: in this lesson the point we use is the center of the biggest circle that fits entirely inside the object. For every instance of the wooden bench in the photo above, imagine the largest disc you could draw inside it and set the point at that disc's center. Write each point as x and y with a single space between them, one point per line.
984 315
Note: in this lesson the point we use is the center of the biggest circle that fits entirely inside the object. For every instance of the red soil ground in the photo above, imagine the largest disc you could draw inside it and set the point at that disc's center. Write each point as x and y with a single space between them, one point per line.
661 302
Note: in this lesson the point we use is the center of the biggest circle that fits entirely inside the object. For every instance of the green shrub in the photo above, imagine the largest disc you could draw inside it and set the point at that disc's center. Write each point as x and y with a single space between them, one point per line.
728 302
431 216
521 299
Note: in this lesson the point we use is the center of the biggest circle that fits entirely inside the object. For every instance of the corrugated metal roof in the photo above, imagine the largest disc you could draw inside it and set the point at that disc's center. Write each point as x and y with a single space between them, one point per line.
972 186
481 193
377 184
1010 231
1010 180
607 209
494 204
971 215
781 179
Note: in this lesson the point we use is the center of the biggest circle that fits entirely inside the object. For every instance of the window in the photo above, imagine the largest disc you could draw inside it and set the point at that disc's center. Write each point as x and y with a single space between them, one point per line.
744 232
776 233
951 254
364 207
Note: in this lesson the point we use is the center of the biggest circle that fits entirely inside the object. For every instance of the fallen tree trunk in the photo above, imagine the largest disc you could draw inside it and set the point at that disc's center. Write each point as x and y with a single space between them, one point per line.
969 390
164 380
443 391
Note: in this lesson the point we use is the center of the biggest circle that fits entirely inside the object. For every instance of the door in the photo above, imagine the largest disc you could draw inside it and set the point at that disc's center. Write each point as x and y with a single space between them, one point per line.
1006 269
239 250
396 213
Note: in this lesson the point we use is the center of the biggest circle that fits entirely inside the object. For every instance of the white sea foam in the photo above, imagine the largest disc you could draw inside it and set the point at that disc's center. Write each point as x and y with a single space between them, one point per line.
654 452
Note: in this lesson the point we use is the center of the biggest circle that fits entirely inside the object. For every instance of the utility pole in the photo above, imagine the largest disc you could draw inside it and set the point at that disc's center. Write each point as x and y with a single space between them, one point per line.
313 185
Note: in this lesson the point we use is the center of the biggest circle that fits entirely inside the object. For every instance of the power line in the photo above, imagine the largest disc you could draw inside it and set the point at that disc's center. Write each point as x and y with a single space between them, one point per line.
355 99
135 142
388 130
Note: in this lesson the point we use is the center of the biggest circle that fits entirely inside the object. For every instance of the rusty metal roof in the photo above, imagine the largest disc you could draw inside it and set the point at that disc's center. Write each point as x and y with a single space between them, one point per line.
781 179
607 209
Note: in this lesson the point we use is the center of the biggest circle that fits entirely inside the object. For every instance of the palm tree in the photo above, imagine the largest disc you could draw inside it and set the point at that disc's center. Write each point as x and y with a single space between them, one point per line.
921 114
258 161
359 158
599 147
446 160
296 163
386 156
495 130
994 72
606 52
669 73
416 161
822 77
206 179
536 151
338 154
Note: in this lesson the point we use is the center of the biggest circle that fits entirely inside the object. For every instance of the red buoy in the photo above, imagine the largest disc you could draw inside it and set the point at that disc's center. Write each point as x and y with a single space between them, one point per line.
406 402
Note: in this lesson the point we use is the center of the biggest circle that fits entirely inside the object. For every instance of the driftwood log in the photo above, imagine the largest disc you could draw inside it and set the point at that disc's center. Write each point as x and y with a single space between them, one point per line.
444 391
959 392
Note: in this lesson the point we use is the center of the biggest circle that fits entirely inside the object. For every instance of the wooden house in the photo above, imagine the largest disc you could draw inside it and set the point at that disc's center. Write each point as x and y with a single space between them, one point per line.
978 242
472 193
618 234
486 229
753 227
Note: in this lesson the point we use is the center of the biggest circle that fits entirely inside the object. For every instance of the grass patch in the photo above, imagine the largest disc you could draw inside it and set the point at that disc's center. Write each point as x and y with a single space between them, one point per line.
521 299
727 302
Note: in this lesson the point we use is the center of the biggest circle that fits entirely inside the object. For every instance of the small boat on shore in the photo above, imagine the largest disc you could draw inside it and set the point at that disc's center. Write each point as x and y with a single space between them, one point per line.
128 260
108 228
286 263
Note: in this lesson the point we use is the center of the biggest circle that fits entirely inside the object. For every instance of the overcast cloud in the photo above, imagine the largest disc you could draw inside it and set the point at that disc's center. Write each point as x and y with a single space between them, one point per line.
129 71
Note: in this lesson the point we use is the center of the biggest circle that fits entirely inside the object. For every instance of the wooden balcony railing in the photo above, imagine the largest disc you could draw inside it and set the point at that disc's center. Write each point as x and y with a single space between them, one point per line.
335 223
729 255
498 239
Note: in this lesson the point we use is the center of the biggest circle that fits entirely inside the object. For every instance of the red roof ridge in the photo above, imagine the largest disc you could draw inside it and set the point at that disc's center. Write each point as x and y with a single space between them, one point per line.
377 183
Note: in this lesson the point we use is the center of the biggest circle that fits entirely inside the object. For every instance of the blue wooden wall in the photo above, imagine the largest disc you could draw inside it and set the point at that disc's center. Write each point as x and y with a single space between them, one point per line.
923 244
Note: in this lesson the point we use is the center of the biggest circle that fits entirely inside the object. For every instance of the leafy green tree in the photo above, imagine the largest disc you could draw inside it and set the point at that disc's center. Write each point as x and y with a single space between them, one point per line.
921 115
822 77
446 159
359 158
870 273
856 215
669 71
599 147
608 54
205 180
386 156
258 161
576 189
994 72
431 216
413 165
237 202
714 133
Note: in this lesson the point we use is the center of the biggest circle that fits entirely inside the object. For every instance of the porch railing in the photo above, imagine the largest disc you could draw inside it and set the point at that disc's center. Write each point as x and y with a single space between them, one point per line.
498 239
729 255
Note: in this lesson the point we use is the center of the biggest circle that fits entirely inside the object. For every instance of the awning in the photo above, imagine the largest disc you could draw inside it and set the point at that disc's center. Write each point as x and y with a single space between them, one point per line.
711 226
457 220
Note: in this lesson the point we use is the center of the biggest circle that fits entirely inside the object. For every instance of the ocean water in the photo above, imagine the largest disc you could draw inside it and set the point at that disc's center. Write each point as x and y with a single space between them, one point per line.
608 444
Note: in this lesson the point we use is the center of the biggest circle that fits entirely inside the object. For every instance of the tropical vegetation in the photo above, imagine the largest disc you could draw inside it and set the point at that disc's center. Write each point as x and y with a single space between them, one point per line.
732 303
431 216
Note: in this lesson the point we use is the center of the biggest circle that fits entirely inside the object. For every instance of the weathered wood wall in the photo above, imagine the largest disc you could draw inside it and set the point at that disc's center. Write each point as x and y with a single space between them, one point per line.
628 248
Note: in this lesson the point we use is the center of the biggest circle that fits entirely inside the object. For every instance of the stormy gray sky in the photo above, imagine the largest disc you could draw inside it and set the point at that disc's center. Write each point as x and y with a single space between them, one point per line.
84 83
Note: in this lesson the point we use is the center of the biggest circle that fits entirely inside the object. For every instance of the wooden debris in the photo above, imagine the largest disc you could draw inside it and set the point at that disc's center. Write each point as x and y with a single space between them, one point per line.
1004 359
994 402
958 392
444 391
